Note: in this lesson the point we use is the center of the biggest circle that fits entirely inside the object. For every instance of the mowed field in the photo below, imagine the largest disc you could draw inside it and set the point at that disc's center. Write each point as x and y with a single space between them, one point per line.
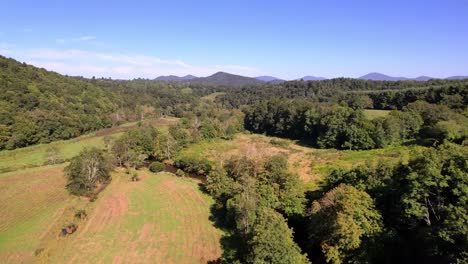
160 219
30 201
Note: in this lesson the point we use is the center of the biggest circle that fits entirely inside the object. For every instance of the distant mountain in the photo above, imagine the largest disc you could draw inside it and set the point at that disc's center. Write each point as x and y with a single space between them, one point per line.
375 76
457 77
223 78
173 78
423 78
268 78
312 78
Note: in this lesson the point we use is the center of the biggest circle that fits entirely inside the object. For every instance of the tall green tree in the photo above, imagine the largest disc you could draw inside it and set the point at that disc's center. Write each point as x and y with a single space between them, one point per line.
272 241
342 221
89 168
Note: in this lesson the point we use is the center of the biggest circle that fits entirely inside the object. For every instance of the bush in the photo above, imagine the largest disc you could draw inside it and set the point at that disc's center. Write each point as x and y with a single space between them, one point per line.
135 177
180 173
193 165
81 214
156 166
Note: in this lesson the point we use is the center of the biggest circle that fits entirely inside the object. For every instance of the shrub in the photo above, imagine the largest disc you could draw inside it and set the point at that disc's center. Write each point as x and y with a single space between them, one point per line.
193 165
135 177
180 173
156 166
81 214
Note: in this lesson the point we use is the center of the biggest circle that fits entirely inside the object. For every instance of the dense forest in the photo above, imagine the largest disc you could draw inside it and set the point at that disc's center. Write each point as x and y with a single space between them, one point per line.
411 211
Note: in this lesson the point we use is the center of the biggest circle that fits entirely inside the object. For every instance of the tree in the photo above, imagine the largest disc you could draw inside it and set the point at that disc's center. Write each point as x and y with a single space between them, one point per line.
341 221
165 147
120 150
272 241
89 168
434 204
4 136
219 185
287 187
243 206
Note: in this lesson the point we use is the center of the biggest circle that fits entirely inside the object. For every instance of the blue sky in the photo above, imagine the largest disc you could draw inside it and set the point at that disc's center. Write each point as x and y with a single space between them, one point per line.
287 39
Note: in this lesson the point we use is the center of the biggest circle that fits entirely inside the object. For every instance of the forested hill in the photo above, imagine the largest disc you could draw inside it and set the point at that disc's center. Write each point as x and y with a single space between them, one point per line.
40 106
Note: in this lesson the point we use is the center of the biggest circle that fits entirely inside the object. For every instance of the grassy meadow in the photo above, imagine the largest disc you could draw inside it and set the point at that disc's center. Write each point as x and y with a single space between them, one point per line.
161 218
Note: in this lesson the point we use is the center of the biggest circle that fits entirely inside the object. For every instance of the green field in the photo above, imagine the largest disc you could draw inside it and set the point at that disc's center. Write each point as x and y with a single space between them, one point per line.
161 219
34 156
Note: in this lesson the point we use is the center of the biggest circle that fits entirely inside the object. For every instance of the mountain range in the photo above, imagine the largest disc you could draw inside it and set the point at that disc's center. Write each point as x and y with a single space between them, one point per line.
223 78
176 78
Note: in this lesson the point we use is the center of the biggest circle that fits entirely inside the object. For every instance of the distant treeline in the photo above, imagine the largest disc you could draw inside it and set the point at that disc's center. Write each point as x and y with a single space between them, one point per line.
327 125
378 94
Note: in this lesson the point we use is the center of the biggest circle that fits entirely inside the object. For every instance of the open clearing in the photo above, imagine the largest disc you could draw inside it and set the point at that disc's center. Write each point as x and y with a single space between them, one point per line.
372 113
310 164
159 219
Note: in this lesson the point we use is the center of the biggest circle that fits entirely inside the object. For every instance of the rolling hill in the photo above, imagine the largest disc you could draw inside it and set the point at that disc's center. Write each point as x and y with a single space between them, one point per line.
223 78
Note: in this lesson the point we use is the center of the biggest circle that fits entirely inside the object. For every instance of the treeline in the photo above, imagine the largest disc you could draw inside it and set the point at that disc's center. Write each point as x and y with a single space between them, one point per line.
380 94
413 212
336 126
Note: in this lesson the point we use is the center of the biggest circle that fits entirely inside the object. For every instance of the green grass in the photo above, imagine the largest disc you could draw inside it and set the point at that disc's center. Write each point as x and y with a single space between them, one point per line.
34 156
372 113
346 159
30 200
165 220
207 147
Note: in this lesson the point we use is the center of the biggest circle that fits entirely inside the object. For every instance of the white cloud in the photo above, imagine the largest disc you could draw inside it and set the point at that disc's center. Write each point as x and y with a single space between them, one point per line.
87 38
115 65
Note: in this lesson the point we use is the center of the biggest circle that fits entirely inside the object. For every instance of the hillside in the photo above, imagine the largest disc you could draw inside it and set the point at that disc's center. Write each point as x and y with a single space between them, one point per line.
39 106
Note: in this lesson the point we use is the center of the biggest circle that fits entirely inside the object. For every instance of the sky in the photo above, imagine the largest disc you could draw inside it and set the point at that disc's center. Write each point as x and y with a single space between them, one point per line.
286 39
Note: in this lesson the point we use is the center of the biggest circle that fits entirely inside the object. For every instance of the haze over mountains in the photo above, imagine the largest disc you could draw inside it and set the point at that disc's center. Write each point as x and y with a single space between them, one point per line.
223 78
